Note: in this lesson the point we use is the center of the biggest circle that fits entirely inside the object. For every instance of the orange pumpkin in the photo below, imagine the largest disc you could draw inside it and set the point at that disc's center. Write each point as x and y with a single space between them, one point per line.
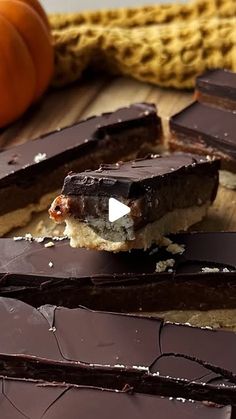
38 9
26 56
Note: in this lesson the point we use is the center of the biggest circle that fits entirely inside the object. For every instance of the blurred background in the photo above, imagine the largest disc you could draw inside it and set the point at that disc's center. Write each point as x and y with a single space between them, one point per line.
74 5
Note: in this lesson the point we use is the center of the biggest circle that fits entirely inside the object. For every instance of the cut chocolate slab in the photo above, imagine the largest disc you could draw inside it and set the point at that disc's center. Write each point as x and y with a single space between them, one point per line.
32 172
20 399
206 130
217 88
113 350
165 195
203 276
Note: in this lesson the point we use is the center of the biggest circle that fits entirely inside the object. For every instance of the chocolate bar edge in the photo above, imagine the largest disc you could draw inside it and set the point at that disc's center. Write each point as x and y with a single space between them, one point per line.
140 378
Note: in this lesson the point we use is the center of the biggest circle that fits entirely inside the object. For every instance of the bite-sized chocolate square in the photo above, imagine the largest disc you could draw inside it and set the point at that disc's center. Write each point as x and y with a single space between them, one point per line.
209 131
32 173
20 399
163 195
114 351
217 88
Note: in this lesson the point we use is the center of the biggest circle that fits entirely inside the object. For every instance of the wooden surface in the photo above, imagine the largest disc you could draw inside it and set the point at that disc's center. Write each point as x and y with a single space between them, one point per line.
61 108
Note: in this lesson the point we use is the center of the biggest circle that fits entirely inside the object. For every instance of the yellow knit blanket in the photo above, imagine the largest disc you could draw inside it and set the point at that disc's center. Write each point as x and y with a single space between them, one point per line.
168 45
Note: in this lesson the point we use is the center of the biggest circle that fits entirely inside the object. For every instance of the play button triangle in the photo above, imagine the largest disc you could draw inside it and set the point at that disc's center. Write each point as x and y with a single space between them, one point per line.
117 210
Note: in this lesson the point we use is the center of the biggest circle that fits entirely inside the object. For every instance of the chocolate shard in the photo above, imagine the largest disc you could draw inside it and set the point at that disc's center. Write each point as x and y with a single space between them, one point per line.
203 274
92 348
209 131
164 194
22 399
31 173
217 88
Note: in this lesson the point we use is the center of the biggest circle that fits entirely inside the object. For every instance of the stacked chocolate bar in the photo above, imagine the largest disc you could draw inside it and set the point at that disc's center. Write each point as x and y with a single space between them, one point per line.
208 126
163 195
32 173
116 351
112 363
132 354
193 270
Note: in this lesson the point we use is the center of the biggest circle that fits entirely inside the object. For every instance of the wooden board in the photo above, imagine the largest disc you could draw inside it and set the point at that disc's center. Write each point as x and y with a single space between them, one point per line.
90 97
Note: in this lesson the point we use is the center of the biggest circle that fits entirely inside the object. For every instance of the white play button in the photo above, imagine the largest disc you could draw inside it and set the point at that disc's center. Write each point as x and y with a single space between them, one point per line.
117 210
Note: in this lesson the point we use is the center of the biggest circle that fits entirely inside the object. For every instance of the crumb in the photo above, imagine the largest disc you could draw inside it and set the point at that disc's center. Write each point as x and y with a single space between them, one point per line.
39 239
172 247
164 264
59 238
206 269
27 238
225 270
50 264
49 244
40 157
175 249
52 329
17 239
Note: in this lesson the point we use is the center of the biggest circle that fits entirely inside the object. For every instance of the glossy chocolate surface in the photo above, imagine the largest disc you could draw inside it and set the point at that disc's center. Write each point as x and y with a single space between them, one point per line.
76 345
134 179
122 281
218 83
30 258
207 126
20 399
59 147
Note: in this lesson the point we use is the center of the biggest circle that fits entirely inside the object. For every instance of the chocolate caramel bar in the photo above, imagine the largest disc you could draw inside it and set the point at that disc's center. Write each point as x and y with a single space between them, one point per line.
31 173
114 351
193 271
164 195
20 399
209 131
217 88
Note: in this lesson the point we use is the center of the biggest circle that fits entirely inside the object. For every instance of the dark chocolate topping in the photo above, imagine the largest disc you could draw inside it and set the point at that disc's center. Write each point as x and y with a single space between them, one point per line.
20 399
218 83
132 179
215 126
69 143
144 345
25 258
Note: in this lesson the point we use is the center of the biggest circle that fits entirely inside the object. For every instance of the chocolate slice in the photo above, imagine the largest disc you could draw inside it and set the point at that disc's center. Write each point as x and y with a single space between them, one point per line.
217 88
112 350
20 399
202 274
31 173
210 131
164 195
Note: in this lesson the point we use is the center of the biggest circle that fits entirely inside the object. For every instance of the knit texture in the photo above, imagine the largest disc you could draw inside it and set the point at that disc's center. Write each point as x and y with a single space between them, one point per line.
168 45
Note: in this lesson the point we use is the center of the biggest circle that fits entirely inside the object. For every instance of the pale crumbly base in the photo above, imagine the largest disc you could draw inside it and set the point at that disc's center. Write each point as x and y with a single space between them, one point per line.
83 235
21 216
227 179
